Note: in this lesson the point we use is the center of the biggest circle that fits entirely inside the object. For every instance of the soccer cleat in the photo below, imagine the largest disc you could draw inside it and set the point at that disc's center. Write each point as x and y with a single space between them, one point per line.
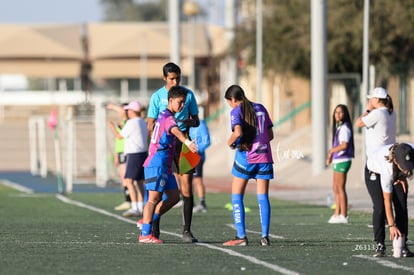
264 241
123 206
132 213
379 251
139 223
200 208
188 237
237 242
149 239
406 253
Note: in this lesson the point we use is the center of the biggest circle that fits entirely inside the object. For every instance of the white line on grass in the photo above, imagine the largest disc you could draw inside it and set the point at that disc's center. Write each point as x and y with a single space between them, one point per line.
17 186
228 251
250 259
257 232
385 263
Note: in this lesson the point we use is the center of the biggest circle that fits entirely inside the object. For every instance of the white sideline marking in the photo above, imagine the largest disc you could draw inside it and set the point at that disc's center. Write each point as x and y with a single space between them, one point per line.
385 263
228 251
257 232
250 259
17 186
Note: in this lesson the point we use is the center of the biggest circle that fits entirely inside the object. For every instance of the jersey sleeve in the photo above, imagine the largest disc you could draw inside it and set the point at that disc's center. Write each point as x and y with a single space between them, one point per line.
268 119
154 109
193 108
236 117
372 118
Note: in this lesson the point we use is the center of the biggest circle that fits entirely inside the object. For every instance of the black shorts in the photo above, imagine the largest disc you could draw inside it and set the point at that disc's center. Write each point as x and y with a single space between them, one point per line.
198 171
134 166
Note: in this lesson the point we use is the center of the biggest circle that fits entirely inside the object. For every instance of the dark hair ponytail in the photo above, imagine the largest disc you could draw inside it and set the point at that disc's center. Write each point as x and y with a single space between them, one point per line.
388 103
249 126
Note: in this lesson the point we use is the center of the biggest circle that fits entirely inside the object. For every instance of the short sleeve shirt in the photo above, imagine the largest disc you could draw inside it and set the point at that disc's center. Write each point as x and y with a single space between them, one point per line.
162 144
261 151
381 129
135 134
159 102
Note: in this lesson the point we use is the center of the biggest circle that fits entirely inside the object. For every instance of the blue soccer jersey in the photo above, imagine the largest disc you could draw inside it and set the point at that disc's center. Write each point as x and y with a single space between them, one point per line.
162 144
261 151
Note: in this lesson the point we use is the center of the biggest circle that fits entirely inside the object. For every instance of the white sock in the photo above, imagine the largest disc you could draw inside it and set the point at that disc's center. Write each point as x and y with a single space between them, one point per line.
140 205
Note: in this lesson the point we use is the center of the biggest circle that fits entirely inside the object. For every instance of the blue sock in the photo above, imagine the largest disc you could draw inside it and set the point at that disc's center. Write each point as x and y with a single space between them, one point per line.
264 209
146 229
238 214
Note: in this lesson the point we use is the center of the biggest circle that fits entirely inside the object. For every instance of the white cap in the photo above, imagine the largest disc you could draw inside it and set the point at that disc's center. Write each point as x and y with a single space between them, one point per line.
378 92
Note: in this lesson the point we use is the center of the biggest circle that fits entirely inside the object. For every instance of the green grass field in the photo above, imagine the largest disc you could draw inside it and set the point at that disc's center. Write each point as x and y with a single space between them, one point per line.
41 234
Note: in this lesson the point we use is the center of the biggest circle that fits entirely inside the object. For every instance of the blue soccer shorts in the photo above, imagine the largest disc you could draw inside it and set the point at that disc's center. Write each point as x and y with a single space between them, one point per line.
158 179
243 169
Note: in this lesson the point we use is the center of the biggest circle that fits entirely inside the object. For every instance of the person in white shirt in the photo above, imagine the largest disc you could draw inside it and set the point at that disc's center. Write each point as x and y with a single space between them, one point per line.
387 171
135 135
380 124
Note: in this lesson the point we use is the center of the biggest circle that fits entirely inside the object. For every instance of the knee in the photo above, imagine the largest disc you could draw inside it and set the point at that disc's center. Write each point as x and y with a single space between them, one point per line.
153 201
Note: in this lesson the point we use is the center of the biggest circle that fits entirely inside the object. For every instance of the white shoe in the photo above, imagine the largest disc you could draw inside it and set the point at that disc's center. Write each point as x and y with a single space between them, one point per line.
132 213
178 204
344 219
338 219
200 208
123 206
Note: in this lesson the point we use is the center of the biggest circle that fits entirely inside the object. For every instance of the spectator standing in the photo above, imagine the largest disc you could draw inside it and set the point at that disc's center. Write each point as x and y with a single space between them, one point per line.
135 134
380 124
341 155
120 156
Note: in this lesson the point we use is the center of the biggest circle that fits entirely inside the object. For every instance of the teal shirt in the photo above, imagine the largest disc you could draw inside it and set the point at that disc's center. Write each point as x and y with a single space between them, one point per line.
159 102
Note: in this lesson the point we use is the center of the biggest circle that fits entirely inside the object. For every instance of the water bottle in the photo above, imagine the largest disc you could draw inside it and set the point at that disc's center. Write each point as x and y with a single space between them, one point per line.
397 246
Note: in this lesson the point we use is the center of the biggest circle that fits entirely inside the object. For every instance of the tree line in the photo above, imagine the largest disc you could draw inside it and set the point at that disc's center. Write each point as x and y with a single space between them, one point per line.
286 33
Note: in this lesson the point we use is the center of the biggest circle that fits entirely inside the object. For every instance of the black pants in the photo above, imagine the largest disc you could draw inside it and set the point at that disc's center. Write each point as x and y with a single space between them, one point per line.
399 199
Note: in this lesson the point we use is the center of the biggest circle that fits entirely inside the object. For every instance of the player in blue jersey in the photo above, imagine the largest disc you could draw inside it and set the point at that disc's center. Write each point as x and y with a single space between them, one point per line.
251 135
159 178
186 118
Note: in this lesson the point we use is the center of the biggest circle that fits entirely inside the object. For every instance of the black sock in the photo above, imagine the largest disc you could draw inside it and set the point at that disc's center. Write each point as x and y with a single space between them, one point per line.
126 194
188 212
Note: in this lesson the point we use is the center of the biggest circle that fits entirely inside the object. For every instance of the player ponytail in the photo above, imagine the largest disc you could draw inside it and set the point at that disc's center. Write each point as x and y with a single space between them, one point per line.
249 126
